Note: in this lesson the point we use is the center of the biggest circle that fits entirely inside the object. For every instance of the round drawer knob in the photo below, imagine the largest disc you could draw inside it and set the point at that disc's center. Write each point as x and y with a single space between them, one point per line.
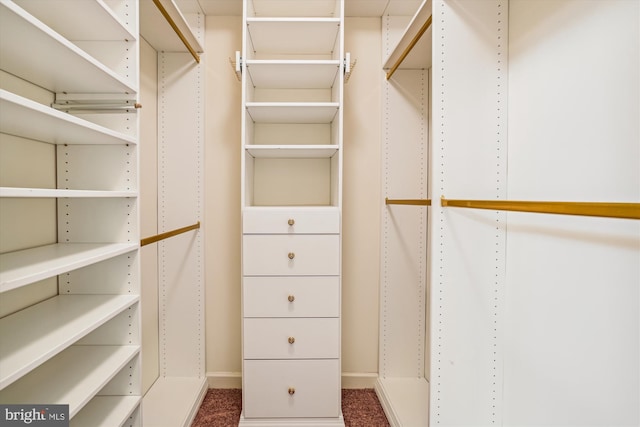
291 221
291 298
292 255
292 340
292 391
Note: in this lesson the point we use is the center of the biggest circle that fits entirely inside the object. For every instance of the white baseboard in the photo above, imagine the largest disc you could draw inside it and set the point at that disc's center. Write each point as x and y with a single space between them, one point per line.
359 379
349 379
224 379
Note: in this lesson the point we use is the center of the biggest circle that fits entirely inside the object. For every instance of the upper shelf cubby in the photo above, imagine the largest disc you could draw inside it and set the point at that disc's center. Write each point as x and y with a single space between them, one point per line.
413 50
282 8
157 29
293 38
293 74
52 61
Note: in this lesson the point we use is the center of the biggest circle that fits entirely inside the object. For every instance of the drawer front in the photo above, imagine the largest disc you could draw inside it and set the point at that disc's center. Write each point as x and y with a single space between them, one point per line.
291 221
313 338
288 296
291 255
291 388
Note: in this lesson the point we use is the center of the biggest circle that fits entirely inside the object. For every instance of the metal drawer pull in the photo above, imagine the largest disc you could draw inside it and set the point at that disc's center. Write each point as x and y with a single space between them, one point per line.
291 298
292 391
291 221
292 255
292 340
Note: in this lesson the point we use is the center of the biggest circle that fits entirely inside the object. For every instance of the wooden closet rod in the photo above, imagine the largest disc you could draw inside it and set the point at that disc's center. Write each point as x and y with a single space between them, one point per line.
415 202
177 30
599 209
408 49
166 235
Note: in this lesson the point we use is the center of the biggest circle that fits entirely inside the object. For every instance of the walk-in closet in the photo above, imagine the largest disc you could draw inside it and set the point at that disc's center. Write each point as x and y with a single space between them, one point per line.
437 201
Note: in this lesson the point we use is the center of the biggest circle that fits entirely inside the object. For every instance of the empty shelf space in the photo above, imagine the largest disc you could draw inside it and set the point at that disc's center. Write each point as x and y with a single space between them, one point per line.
303 36
98 21
292 112
292 151
55 127
51 61
106 411
173 401
292 74
159 33
419 56
29 341
26 266
316 8
58 193
72 377
405 400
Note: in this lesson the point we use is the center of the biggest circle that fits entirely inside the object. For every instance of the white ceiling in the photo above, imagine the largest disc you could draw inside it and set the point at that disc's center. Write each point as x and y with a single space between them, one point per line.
351 8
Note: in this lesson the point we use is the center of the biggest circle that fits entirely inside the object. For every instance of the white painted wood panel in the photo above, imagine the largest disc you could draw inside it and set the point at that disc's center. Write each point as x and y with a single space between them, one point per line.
275 220
291 255
313 338
313 296
316 384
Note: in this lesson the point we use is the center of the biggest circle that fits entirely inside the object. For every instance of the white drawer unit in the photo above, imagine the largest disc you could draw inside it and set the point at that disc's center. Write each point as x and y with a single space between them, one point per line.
291 255
291 389
292 66
293 296
308 338
291 221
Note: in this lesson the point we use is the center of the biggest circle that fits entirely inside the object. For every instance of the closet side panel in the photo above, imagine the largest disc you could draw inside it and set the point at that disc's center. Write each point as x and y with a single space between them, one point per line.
149 212
468 162
180 189
404 228
572 340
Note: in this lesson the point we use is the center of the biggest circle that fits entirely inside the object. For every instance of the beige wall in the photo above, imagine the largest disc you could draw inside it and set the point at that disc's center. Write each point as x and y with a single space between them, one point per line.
222 197
361 213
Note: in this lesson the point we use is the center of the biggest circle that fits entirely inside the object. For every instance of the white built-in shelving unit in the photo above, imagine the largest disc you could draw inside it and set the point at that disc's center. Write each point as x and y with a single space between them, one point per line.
487 317
292 66
79 342
175 396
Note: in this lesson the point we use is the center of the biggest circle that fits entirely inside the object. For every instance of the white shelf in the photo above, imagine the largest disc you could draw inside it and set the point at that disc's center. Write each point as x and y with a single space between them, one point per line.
292 151
293 74
316 8
157 31
68 318
106 411
292 112
173 401
19 115
304 36
98 21
51 61
405 400
26 266
420 55
58 193
72 377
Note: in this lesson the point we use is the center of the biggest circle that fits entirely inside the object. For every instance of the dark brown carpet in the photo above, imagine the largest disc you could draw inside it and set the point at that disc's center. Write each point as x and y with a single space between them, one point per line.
222 407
